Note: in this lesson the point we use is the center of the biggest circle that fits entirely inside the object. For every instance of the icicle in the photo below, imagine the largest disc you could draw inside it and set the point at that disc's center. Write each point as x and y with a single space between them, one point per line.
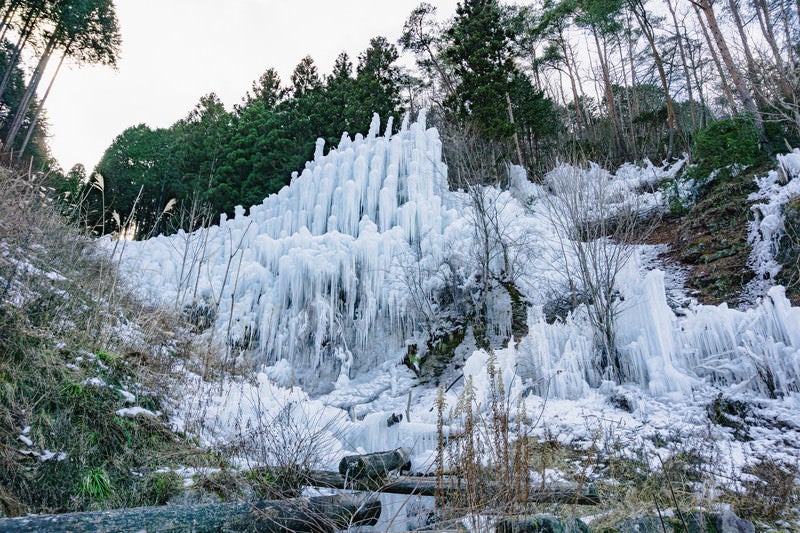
318 150
374 127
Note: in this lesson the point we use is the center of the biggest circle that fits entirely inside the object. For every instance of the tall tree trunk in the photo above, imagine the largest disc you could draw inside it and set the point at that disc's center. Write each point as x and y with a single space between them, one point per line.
22 110
7 16
762 12
738 82
40 107
535 68
586 115
609 96
630 96
520 160
571 75
647 30
787 34
726 88
682 53
22 40
696 69
752 70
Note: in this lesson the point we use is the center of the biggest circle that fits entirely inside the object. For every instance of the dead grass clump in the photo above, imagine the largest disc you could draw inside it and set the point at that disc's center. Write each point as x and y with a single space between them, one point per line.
68 330
768 492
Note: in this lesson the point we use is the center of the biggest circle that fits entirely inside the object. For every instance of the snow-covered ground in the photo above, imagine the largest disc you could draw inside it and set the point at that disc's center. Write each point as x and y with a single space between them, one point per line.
331 280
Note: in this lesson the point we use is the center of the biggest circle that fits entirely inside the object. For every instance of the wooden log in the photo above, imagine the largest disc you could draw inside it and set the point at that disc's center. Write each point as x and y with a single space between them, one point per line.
373 465
318 514
568 493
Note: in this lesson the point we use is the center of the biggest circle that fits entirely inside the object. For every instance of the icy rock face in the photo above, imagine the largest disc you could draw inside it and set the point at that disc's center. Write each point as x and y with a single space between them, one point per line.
312 273
767 226
755 350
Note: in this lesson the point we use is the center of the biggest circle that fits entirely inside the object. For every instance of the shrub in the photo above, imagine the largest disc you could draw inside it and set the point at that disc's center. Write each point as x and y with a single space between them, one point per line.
731 141
768 492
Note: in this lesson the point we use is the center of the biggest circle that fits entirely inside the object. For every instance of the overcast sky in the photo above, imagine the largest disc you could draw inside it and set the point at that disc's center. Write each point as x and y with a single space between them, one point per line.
175 51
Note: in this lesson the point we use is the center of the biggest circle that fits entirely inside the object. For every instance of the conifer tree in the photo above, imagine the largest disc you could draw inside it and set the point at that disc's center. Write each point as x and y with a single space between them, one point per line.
479 52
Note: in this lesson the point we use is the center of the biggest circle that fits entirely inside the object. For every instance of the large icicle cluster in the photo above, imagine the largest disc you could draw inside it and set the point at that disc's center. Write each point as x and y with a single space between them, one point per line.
310 275
329 279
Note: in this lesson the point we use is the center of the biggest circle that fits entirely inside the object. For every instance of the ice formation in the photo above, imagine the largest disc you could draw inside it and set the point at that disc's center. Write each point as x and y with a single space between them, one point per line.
775 190
313 275
331 278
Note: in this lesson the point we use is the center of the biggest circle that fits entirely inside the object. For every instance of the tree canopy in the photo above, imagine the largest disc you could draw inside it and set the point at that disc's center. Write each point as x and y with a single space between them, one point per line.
219 159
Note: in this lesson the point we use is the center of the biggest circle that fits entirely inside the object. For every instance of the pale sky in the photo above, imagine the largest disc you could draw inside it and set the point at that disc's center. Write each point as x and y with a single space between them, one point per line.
175 51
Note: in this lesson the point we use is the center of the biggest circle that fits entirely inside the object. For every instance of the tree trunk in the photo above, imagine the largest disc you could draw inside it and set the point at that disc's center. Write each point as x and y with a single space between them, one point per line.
647 30
630 95
727 58
22 110
40 107
684 63
752 70
373 465
762 12
567 493
609 96
9 13
323 513
571 74
726 88
787 30
520 161
21 42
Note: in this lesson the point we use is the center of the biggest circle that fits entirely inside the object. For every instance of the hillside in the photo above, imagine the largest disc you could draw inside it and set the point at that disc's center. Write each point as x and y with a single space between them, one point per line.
87 372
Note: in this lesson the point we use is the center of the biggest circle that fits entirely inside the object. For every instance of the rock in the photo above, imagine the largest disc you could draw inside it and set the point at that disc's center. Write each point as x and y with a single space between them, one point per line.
541 523
394 419
622 402
728 522
695 522
644 524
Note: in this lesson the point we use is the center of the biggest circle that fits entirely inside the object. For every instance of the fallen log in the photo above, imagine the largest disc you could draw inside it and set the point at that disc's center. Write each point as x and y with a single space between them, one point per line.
373 465
568 493
318 514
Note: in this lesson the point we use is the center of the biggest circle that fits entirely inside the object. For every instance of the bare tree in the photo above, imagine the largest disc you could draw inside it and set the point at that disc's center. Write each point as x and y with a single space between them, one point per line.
598 226
500 251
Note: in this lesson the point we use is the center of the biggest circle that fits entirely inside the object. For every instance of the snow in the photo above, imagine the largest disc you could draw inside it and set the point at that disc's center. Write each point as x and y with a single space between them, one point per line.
133 412
127 397
775 191
94 382
332 278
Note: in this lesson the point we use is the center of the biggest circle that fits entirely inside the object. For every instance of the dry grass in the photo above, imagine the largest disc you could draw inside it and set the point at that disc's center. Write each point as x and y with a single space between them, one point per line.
75 347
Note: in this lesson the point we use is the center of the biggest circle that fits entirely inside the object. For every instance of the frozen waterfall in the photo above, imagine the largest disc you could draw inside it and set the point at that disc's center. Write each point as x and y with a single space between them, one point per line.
323 281
312 272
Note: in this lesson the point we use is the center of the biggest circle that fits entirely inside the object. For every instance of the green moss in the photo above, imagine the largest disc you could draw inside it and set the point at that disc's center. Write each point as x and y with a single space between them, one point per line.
441 350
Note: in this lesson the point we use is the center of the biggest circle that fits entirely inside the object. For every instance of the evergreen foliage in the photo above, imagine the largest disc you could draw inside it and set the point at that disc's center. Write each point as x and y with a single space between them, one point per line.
479 52
85 31
726 142
220 159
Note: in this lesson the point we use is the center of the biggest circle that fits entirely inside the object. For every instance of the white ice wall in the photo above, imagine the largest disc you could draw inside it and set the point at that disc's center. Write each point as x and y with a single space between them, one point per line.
317 276
313 269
